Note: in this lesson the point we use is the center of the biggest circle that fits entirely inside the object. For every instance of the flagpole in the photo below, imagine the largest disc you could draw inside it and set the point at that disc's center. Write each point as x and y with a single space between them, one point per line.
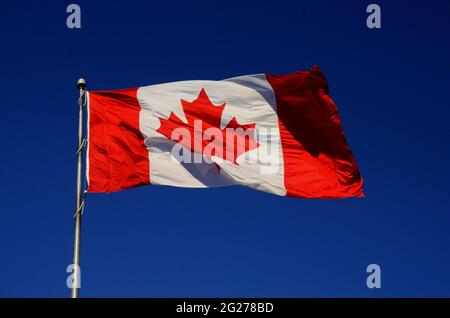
81 85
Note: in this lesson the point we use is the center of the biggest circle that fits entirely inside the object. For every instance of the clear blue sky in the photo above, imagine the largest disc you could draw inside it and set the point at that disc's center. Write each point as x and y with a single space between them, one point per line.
391 88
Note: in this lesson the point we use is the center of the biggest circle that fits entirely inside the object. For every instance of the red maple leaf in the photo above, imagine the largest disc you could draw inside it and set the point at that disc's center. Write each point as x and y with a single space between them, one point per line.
203 124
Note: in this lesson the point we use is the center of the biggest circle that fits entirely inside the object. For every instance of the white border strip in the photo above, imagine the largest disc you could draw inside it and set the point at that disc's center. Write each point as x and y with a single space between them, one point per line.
87 138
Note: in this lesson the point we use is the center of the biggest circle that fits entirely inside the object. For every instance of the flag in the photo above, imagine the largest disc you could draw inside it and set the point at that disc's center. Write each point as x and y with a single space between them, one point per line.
279 134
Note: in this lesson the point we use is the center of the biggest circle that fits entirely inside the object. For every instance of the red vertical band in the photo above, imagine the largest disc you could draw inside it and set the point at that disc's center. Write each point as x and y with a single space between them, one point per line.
318 162
117 155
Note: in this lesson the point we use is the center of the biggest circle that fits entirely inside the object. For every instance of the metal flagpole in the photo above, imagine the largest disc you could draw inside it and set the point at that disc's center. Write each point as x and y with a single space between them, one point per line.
81 85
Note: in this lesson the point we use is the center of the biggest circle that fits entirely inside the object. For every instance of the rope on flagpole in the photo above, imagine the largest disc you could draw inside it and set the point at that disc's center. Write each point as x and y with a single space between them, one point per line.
81 208
83 144
82 100
80 194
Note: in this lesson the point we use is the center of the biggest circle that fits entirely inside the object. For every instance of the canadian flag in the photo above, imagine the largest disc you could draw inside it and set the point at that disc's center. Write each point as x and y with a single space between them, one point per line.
279 134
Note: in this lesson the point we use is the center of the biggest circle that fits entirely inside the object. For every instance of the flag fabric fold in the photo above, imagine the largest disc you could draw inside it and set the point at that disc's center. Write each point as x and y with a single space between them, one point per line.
279 134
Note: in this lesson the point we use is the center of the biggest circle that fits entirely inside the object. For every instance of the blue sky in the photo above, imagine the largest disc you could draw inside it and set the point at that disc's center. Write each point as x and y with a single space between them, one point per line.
390 86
